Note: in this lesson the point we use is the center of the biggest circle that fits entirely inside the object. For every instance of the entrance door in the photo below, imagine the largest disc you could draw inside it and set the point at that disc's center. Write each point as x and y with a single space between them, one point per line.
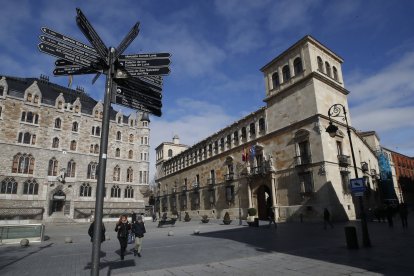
264 202
58 201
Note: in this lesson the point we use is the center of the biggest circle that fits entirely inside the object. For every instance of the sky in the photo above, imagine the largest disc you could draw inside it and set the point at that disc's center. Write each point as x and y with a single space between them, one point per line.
218 48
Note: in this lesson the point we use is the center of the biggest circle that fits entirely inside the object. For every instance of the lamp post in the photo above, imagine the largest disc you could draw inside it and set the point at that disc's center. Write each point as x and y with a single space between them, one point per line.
338 110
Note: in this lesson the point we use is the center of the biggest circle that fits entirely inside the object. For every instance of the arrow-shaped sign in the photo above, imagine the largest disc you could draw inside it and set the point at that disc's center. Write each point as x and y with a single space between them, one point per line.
134 104
136 85
91 34
127 40
146 56
135 94
67 39
145 71
59 53
144 62
63 62
75 70
85 54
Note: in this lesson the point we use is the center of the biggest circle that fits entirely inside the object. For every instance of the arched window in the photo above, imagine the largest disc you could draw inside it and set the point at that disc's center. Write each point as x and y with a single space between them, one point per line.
1 109
77 108
27 138
131 138
275 80
55 143
262 125
91 148
297 66
96 149
92 167
96 114
85 190
29 97
115 191
335 73
243 133
59 105
117 152
328 68
131 123
23 163
36 99
130 154
118 136
8 186
73 145
100 115
58 123
30 187
75 126
97 131
119 120
170 153
117 173
320 64
53 167
286 73
71 170
129 192
252 129
130 175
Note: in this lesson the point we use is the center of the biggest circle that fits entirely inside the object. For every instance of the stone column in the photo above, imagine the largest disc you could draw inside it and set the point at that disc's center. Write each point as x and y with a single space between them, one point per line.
274 194
249 194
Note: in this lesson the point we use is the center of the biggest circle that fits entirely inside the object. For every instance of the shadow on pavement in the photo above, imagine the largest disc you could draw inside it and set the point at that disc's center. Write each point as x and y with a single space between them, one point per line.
19 250
390 254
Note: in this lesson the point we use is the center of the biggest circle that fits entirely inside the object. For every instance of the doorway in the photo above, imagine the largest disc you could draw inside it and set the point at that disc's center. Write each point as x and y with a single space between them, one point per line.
58 201
264 202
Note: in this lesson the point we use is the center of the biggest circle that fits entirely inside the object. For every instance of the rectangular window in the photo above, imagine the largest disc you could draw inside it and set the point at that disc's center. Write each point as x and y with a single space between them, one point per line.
306 182
339 147
345 182
1 90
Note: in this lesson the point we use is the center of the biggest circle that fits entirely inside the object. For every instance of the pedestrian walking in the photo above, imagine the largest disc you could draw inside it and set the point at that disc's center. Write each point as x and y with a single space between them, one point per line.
90 231
402 210
123 227
154 217
272 218
138 228
133 217
326 218
390 213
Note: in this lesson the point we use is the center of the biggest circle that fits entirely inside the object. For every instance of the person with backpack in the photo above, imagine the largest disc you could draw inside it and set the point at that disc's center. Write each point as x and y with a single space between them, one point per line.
90 231
138 228
122 228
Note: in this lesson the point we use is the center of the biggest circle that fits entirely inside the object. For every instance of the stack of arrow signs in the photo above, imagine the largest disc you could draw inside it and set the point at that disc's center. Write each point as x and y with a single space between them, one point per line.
138 77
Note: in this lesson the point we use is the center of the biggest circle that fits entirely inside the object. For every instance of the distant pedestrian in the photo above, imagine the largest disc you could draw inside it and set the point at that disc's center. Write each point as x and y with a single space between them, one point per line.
272 218
326 218
390 213
164 217
133 217
402 210
90 231
123 227
154 217
138 228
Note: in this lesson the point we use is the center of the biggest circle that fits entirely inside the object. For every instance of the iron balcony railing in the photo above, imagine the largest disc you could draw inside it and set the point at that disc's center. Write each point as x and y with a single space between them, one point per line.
344 160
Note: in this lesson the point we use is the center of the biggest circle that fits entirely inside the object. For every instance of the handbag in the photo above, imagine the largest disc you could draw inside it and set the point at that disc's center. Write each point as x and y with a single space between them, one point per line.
131 238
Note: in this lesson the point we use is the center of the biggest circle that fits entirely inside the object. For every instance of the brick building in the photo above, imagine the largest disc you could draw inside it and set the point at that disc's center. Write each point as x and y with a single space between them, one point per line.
404 170
50 139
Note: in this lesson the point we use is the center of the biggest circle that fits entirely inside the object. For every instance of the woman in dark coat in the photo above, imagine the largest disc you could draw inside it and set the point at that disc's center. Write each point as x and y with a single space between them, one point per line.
90 231
123 227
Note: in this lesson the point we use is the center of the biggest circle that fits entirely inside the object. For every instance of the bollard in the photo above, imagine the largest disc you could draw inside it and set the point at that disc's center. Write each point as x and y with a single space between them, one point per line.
197 232
351 237
68 240
24 242
170 233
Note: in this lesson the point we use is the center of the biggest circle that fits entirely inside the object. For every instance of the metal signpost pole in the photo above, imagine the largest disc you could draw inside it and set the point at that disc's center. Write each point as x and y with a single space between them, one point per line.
97 238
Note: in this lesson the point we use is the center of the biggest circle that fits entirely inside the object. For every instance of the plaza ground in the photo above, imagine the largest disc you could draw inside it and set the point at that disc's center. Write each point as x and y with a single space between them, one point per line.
291 249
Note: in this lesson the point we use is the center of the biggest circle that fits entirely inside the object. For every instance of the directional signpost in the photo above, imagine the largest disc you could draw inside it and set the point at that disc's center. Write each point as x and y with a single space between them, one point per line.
134 81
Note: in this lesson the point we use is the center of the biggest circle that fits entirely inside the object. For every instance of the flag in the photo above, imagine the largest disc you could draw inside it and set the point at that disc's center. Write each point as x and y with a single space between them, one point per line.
252 152
70 81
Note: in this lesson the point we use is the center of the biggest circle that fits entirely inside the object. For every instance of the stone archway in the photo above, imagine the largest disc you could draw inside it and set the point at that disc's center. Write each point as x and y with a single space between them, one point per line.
57 203
264 201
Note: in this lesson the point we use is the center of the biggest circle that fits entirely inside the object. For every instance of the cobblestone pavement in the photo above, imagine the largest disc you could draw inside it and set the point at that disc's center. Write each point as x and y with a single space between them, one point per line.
291 249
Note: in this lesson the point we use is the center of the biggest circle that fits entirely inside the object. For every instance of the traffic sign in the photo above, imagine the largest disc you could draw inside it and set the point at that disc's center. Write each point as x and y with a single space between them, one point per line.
63 62
75 50
67 39
135 104
61 53
144 62
145 71
145 56
357 185
76 70
127 40
91 34
156 80
134 84
136 94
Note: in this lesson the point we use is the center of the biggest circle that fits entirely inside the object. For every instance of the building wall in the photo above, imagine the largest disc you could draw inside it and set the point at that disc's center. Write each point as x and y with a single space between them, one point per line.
42 151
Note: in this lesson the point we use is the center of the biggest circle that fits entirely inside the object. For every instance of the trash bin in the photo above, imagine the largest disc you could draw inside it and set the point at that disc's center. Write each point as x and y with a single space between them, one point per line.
351 237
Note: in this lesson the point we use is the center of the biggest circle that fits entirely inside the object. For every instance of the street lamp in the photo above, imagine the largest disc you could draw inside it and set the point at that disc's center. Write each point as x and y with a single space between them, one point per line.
338 110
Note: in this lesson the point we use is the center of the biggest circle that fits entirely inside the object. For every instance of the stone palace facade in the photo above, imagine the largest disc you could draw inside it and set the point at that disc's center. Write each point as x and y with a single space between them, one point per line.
279 156
50 139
